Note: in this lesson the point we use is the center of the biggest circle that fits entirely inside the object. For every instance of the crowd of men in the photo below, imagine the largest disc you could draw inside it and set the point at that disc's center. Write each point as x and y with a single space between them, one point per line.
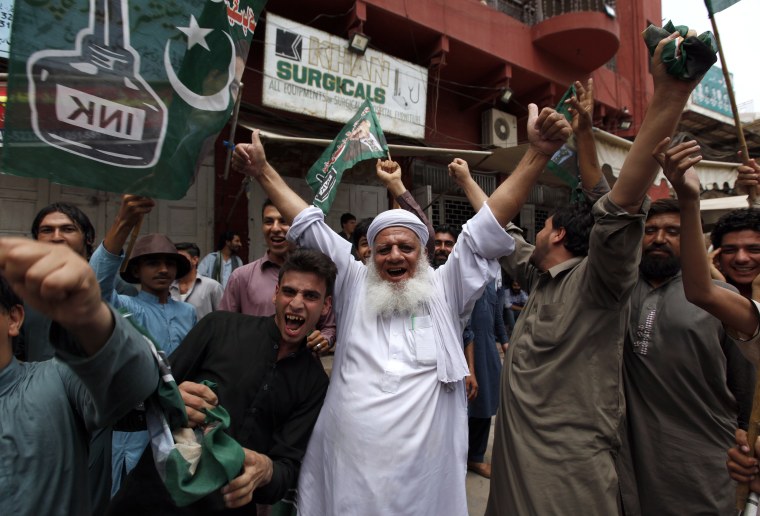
626 379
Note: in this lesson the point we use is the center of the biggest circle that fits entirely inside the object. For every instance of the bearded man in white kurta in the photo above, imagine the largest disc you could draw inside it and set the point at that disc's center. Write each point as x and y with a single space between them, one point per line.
396 412
392 434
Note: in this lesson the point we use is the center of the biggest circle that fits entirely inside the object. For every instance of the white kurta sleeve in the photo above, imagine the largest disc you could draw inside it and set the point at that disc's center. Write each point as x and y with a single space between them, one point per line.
309 230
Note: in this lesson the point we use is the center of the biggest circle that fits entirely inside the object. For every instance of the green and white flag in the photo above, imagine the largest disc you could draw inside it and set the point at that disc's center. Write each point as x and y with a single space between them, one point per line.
191 462
123 95
361 138
716 6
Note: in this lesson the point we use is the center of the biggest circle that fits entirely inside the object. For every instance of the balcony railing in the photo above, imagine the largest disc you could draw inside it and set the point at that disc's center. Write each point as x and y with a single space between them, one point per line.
531 12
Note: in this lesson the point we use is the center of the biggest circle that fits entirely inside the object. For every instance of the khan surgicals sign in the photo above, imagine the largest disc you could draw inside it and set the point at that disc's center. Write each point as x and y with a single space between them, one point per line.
312 72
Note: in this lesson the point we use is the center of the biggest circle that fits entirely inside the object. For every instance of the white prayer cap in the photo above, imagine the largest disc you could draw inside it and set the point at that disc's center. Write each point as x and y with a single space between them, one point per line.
397 218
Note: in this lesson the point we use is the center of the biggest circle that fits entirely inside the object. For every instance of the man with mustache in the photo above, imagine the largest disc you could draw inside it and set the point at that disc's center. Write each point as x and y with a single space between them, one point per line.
391 437
65 224
154 264
688 388
562 402
445 238
220 264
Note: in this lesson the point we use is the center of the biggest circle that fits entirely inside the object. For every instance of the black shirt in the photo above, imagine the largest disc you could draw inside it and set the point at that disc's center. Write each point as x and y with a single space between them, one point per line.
273 406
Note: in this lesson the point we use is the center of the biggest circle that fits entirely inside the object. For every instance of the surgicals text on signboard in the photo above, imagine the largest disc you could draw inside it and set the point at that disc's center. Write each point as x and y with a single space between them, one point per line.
311 72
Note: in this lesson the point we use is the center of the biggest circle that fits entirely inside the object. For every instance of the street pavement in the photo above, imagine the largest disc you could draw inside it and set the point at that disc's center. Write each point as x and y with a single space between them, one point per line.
477 486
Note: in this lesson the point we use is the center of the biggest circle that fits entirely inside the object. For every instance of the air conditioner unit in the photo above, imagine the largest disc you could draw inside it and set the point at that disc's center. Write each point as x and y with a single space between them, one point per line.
499 129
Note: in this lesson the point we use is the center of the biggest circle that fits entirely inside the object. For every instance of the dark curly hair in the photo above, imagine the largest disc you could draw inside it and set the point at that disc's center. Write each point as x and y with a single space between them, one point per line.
190 248
224 238
77 216
361 230
737 220
577 221
661 206
315 262
8 298
451 229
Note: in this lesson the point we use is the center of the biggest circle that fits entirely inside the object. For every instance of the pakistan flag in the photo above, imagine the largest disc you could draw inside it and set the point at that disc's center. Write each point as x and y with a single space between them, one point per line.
122 95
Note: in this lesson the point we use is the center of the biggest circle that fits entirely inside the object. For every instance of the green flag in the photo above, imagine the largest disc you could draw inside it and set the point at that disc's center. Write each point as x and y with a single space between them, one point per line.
123 95
361 138
192 463
564 162
716 6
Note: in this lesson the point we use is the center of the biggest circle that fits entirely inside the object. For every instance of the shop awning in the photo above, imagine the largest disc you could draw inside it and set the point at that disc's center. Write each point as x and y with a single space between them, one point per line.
611 149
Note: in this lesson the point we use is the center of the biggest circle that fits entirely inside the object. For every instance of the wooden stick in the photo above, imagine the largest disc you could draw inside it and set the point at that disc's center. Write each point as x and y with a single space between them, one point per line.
131 245
751 192
742 489
233 128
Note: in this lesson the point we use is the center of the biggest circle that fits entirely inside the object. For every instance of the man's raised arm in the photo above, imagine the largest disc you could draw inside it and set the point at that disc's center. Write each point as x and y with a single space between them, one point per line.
640 168
547 131
389 173
61 285
250 159
581 106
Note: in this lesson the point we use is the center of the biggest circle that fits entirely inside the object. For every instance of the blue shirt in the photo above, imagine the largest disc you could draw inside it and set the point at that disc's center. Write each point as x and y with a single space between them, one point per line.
518 299
167 323
222 275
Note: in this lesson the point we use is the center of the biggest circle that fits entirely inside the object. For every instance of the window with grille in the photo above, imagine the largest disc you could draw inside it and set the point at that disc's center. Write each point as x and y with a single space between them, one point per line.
540 218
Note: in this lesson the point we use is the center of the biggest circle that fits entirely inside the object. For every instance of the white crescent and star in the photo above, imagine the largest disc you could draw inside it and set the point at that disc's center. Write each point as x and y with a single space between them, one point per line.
195 34
218 101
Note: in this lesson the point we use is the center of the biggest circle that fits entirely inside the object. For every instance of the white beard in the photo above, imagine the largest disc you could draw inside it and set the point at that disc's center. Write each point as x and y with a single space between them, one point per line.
385 298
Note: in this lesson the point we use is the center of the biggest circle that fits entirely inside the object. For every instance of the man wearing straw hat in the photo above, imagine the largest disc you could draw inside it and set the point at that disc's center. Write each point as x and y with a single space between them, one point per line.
154 264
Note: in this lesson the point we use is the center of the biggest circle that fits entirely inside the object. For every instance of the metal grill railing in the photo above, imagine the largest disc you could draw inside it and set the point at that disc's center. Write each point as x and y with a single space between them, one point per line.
532 12
437 176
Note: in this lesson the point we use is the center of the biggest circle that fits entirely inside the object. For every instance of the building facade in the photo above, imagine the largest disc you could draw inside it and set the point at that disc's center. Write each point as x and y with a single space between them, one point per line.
448 78
437 72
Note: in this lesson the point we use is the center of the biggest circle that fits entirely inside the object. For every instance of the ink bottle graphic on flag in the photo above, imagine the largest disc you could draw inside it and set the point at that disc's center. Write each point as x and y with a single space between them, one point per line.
92 101
329 181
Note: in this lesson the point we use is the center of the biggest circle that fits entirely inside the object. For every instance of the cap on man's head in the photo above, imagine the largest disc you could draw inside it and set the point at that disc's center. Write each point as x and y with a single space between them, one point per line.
397 218
155 245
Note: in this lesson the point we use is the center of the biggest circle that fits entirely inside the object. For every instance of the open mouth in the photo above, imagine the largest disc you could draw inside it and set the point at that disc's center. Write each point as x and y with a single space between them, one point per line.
745 271
396 272
293 323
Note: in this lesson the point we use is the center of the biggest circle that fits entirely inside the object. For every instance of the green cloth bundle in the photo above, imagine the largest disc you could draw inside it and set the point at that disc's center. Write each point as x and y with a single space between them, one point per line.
192 463
688 61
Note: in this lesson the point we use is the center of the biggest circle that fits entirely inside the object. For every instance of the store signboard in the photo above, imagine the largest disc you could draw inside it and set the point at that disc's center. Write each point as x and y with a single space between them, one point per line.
711 93
312 72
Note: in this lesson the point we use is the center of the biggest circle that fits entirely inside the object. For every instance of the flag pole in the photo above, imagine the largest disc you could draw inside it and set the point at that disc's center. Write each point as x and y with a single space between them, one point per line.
131 245
742 488
233 128
751 193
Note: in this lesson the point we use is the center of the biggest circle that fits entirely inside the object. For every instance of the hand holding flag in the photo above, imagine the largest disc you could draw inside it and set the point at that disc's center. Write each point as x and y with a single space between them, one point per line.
360 139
